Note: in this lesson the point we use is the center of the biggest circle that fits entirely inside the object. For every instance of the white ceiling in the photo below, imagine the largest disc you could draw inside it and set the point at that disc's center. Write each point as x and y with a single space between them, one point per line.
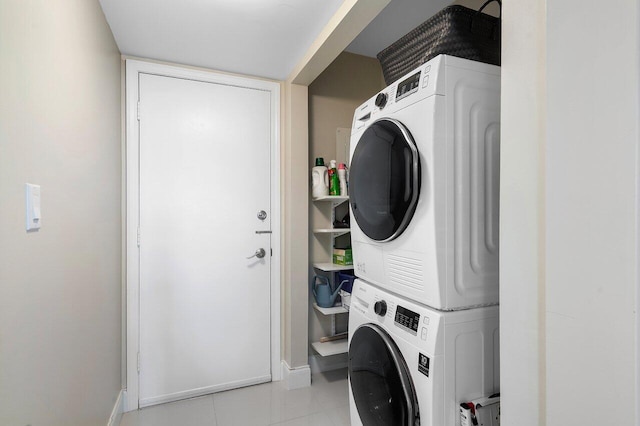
264 38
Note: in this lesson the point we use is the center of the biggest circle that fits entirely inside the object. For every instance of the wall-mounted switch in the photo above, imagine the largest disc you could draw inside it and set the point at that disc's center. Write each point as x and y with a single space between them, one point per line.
32 206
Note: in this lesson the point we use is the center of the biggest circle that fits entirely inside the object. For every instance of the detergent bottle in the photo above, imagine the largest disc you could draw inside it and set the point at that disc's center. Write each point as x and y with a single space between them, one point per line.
319 179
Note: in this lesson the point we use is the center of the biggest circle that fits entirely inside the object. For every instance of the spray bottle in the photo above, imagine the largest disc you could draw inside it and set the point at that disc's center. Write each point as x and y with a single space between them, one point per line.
342 176
334 182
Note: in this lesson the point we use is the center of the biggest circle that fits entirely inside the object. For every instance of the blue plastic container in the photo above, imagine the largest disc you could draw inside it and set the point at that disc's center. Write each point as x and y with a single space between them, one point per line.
348 277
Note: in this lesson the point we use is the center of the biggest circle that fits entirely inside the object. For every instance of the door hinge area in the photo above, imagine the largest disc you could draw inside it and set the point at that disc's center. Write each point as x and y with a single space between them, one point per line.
138 362
138 236
138 112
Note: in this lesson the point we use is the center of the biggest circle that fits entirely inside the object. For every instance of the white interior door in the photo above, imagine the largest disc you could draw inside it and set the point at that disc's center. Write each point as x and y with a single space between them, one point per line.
204 174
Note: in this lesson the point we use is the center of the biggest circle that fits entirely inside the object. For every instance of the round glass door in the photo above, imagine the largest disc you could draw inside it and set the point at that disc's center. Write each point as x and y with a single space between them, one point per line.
384 180
380 381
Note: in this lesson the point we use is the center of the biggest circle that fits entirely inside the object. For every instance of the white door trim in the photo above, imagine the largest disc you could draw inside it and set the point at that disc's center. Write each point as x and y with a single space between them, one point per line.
133 69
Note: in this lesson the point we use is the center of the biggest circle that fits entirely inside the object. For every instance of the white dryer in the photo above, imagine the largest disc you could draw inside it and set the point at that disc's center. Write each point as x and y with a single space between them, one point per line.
424 185
411 365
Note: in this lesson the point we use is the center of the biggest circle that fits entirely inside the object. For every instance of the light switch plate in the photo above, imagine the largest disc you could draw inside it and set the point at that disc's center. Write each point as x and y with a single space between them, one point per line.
32 206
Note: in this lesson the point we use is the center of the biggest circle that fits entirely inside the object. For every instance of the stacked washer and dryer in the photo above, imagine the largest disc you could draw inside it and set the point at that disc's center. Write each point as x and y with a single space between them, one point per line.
424 200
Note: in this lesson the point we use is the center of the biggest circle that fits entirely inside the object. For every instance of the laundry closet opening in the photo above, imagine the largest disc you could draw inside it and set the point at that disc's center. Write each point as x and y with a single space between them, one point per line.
409 230
333 98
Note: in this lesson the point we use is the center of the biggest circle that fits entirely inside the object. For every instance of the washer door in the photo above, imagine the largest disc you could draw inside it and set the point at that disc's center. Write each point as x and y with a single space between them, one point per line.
380 380
384 180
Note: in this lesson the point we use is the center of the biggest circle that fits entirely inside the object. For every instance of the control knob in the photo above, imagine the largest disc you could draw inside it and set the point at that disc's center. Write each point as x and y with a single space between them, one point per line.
380 308
381 100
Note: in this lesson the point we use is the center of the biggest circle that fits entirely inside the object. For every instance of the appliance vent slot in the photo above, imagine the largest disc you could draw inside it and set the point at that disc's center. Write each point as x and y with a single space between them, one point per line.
405 271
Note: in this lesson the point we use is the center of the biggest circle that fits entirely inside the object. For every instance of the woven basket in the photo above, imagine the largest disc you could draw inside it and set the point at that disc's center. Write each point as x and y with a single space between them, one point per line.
455 30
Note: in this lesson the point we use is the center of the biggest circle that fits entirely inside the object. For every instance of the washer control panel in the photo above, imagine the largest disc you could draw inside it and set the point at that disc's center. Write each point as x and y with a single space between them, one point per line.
407 319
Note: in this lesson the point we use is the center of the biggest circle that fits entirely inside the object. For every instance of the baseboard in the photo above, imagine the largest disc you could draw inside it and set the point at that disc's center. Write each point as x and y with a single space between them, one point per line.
206 390
118 409
296 378
321 364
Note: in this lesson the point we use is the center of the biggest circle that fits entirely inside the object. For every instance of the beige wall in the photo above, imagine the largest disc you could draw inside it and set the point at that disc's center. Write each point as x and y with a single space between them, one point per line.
333 96
295 226
60 288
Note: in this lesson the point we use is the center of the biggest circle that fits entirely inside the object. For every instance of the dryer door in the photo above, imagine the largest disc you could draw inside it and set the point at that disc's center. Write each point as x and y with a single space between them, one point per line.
384 180
380 380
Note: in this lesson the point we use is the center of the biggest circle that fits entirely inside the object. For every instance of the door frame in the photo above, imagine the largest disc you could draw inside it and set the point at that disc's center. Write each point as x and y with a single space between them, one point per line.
132 70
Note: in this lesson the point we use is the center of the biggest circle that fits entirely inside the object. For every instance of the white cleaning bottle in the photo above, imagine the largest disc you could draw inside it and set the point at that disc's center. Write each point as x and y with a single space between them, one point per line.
342 175
319 179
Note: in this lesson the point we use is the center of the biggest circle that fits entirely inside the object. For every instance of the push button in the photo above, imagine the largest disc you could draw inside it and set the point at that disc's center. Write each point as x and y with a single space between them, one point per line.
423 335
425 81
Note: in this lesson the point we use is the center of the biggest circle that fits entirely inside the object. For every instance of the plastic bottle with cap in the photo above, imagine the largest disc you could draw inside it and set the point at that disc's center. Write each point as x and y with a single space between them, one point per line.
319 179
334 182
342 176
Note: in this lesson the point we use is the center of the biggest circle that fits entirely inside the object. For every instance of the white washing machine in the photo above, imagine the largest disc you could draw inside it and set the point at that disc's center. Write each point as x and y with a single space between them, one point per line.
424 185
410 365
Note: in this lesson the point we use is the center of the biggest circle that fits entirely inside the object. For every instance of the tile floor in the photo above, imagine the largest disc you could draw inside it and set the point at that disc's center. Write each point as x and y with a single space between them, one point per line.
325 403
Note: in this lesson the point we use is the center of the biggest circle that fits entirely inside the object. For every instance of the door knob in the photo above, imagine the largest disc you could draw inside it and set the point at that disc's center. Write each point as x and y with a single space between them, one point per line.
260 253
262 215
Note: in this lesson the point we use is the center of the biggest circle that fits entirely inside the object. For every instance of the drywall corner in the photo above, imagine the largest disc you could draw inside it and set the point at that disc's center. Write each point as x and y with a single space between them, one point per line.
522 213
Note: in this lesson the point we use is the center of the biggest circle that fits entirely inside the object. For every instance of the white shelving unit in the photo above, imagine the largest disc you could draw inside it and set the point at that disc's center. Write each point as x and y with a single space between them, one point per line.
331 267
333 347
333 198
335 201
330 311
336 231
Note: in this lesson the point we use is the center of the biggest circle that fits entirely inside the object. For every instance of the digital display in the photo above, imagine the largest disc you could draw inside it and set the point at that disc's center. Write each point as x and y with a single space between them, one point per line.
407 319
408 86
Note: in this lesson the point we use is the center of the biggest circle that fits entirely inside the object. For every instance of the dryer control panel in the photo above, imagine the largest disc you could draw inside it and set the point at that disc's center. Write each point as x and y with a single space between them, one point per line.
408 86
418 84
